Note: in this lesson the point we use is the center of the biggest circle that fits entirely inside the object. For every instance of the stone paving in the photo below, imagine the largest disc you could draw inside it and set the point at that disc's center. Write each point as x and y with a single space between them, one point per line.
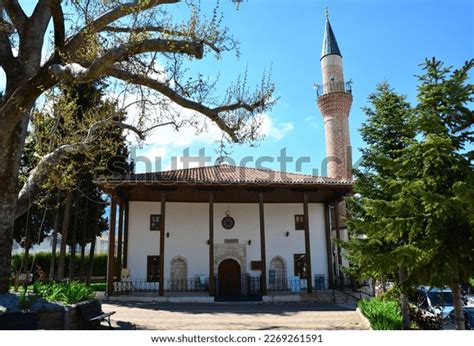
251 316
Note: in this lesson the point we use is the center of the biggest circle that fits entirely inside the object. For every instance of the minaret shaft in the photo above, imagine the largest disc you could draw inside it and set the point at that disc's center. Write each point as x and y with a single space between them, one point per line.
335 104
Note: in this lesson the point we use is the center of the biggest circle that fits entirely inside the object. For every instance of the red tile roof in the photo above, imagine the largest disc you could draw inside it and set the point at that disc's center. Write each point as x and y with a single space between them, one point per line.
225 174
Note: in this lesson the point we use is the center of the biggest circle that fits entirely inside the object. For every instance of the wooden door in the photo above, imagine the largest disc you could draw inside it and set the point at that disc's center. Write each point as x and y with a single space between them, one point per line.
229 278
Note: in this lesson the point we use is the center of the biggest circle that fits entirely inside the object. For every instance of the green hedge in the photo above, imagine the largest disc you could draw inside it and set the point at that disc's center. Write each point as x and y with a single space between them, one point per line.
43 259
382 314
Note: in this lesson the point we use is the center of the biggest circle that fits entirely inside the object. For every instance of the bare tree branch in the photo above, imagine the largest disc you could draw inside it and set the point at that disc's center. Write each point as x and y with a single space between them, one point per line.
111 16
211 113
45 166
163 30
99 65
6 55
15 13
58 21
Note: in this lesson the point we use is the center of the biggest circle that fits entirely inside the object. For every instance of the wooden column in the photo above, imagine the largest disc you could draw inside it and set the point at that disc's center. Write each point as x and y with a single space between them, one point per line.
307 245
327 222
120 236
211 243
125 236
338 237
111 254
263 255
162 244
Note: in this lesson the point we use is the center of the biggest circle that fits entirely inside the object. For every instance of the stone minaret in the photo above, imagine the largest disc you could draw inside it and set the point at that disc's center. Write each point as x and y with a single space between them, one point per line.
334 102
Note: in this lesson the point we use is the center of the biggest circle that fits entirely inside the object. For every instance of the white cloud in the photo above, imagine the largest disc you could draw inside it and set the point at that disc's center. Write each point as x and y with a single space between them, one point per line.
275 130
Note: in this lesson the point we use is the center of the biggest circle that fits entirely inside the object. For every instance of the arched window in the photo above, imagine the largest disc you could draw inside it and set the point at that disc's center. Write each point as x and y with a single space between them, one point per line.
277 277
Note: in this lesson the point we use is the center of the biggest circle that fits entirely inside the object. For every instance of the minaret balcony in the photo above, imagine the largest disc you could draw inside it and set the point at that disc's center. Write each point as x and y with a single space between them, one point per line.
334 87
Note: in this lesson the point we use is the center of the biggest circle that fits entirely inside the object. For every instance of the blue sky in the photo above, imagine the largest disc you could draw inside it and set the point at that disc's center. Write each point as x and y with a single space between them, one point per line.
379 40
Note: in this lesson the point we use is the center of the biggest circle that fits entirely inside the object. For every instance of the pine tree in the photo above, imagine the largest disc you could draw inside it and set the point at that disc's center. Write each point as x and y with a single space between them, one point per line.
438 193
412 211
378 245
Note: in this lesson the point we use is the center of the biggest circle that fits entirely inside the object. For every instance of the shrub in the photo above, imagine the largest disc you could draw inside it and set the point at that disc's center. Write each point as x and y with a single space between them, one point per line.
43 260
67 292
26 300
383 315
75 292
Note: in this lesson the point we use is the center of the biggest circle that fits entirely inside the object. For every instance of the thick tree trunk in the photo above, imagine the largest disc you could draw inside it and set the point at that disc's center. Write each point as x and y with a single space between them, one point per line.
457 299
6 238
11 148
402 277
64 235
52 264
72 248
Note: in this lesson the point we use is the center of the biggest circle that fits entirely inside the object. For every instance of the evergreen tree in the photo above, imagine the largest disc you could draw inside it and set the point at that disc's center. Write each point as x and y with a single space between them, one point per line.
412 211
438 193
378 245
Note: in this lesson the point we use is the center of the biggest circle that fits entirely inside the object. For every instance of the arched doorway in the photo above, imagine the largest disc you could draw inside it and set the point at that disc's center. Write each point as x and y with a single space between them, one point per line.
229 278
179 274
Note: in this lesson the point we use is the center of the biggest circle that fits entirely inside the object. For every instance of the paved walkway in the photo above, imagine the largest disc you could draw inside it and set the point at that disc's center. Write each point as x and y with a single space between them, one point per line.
232 316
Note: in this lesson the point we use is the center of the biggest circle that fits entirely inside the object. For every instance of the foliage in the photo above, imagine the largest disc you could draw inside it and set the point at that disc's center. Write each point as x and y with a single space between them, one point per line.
425 321
378 245
383 315
26 300
75 292
43 259
71 292
412 207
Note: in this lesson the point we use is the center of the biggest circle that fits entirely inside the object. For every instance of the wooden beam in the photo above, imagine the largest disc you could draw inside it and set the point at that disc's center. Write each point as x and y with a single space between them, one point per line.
125 236
307 244
111 254
162 244
120 240
211 244
329 256
263 255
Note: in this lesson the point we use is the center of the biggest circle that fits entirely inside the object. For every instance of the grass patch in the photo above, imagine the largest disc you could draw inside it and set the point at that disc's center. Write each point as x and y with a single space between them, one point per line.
383 315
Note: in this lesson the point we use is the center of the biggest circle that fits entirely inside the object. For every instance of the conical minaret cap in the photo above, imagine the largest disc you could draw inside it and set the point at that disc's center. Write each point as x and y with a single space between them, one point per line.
329 42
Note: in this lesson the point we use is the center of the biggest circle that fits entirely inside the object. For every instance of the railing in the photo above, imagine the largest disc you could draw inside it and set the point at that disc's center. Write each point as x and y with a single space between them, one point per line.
190 285
297 285
330 87
247 286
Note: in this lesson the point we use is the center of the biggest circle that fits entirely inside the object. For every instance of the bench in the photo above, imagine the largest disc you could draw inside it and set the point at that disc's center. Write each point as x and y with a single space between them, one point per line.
93 315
